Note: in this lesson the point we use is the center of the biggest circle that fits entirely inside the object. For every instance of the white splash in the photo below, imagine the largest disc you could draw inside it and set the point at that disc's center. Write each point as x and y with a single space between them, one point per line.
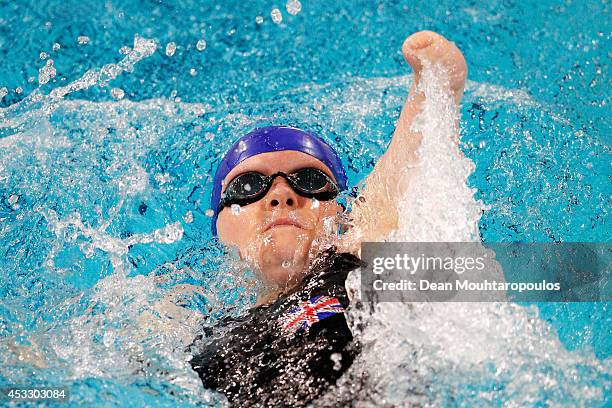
409 350
439 206
143 48
163 178
46 73
99 238
419 353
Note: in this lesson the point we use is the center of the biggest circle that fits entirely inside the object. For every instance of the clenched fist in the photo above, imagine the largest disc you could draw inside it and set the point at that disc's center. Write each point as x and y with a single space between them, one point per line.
427 45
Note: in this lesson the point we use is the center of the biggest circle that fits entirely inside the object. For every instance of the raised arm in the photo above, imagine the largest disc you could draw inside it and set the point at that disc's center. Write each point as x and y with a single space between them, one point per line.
375 212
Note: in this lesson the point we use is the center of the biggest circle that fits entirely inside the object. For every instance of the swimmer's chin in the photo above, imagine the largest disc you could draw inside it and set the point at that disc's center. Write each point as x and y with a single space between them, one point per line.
283 257
283 253
278 280
283 277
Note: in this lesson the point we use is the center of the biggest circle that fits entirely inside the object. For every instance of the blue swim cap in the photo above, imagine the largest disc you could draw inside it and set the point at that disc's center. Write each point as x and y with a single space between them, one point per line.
274 139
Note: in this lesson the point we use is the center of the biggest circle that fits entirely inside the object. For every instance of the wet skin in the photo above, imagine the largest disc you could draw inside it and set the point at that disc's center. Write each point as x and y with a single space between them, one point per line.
276 233
282 253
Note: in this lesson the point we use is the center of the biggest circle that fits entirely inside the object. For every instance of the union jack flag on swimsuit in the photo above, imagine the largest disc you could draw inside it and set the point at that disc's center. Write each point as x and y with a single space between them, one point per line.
315 309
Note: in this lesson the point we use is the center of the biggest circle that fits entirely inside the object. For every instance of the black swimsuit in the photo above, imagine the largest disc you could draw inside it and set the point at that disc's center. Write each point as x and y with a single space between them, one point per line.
287 353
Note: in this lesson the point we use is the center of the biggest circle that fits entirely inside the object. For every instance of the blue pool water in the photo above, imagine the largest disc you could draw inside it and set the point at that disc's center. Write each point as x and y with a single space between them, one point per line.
107 153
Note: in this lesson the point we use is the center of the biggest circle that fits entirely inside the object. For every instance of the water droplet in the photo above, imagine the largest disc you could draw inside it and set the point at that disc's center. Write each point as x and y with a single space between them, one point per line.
336 358
18 90
193 72
482 144
56 47
209 136
12 200
169 234
276 15
87 249
329 225
163 178
170 49
209 213
108 339
314 204
201 45
3 92
259 19
83 39
247 187
286 264
188 217
241 147
235 209
293 7
43 55
117 93
46 73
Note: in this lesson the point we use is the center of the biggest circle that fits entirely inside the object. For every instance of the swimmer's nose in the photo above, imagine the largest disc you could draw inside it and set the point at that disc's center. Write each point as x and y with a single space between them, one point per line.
281 195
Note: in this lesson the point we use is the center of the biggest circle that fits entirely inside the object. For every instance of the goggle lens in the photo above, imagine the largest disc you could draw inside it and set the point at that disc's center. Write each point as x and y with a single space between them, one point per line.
250 187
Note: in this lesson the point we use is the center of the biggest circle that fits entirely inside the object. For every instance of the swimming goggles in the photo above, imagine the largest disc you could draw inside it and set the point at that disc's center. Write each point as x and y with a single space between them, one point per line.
250 187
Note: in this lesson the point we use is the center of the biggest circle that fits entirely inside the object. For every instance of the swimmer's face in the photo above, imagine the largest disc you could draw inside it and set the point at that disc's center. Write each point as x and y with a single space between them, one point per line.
277 232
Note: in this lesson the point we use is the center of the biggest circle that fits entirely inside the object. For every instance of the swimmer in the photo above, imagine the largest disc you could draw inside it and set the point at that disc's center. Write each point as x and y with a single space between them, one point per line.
274 200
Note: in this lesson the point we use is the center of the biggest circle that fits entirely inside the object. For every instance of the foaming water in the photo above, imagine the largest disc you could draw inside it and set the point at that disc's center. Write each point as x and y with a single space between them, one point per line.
439 354
439 206
37 106
106 225
97 319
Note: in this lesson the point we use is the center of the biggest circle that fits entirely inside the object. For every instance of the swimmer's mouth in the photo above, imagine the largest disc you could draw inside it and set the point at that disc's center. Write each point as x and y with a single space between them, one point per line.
283 222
